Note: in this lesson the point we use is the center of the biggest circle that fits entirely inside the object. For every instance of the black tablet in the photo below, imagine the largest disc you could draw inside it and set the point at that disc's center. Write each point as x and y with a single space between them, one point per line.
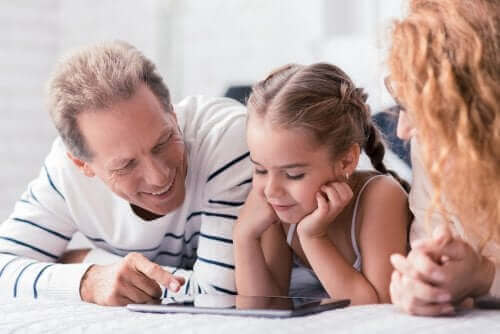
268 307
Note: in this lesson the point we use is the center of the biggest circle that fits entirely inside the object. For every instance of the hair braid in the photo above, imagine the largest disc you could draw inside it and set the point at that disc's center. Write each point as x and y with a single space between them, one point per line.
375 149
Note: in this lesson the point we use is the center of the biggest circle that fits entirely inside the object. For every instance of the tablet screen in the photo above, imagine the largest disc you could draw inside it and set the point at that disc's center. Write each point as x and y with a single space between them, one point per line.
271 307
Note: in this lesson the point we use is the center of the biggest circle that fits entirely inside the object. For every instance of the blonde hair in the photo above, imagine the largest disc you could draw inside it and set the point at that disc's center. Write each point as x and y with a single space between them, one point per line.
96 77
445 67
322 99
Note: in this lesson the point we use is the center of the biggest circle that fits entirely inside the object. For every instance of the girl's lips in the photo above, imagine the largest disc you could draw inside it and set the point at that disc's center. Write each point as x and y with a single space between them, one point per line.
282 207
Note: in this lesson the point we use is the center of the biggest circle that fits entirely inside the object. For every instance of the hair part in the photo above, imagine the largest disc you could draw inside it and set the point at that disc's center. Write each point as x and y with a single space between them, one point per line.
94 78
445 65
322 99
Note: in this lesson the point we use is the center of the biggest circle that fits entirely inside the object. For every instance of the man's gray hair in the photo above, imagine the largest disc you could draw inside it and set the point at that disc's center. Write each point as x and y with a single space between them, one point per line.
96 77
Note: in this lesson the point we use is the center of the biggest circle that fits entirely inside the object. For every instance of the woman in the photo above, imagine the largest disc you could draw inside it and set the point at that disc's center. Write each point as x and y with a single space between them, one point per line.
444 69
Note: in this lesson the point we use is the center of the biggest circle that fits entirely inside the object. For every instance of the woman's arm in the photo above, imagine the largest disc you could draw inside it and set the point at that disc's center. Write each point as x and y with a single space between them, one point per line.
262 257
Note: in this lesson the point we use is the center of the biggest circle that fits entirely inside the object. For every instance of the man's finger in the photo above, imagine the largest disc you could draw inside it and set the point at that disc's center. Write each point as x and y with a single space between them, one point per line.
154 272
137 296
147 285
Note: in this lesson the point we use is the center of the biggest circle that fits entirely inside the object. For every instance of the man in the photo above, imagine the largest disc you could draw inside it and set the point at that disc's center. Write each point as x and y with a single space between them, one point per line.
148 183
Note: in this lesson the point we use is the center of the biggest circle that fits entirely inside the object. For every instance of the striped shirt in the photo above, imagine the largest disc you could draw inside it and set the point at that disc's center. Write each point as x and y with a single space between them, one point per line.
195 240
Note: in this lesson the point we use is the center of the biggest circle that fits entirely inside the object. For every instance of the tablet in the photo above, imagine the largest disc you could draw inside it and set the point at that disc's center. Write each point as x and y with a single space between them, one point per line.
487 302
267 307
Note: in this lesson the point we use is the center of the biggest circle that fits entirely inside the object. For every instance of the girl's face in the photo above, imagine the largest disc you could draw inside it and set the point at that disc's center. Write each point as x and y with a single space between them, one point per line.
289 168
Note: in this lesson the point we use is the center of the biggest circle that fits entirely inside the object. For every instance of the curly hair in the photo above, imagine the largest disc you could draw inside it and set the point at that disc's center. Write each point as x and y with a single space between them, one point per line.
444 64
322 99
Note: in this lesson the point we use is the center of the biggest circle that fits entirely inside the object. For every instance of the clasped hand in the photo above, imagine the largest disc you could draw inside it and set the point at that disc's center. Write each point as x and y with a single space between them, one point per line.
438 274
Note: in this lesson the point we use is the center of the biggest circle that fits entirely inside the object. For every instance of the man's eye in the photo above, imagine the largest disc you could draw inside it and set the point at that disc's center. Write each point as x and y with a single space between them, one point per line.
159 147
125 168
260 171
295 176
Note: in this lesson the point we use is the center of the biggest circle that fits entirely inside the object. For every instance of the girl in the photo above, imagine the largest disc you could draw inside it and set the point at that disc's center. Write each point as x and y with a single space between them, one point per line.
309 207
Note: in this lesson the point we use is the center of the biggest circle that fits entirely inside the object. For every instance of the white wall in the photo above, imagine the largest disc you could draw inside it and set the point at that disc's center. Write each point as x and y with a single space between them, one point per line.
201 47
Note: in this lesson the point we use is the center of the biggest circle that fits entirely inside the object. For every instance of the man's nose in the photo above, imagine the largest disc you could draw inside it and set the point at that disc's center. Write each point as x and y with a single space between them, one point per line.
156 173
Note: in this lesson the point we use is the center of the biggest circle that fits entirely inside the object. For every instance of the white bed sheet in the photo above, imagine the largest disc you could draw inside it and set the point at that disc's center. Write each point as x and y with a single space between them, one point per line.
51 316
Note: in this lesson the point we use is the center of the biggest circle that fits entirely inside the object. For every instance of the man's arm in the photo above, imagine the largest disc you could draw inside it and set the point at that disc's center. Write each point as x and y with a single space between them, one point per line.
227 177
36 235
33 238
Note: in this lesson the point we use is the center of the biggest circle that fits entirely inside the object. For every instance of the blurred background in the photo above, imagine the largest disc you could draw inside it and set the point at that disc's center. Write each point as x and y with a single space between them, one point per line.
200 47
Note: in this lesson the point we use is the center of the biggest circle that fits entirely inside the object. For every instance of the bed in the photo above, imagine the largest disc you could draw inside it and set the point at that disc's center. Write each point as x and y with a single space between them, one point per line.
53 316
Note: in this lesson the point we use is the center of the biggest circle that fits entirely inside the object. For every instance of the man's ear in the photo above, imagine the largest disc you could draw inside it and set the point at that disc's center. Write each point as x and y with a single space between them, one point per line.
349 160
82 165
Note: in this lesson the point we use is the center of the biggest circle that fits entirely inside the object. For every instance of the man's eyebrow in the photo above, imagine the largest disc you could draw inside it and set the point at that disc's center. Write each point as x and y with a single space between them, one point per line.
294 165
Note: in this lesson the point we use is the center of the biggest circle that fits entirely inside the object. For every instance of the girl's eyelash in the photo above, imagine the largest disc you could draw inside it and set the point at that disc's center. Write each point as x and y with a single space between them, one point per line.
260 171
295 177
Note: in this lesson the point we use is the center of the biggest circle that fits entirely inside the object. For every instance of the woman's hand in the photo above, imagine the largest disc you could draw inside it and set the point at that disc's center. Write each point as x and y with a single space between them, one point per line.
439 273
331 199
257 216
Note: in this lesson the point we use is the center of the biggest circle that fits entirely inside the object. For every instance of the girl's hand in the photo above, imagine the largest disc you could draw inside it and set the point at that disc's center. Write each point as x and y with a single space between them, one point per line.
331 199
257 216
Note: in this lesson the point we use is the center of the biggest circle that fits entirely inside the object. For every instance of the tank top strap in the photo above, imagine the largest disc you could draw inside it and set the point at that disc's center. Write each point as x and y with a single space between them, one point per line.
290 233
357 263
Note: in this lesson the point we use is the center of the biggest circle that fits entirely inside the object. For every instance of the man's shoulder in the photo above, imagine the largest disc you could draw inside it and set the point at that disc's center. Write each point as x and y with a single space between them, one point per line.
57 157
61 170
206 113
206 122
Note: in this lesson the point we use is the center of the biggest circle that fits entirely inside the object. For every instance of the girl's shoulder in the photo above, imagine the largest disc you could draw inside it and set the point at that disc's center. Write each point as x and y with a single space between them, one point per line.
367 181
378 191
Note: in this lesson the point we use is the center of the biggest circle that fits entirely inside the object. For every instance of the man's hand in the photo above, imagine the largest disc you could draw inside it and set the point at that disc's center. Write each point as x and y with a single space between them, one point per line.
255 217
439 273
133 280
331 200
74 256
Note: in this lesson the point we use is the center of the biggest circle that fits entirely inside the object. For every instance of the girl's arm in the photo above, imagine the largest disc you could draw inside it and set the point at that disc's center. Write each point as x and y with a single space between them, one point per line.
384 228
383 231
262 256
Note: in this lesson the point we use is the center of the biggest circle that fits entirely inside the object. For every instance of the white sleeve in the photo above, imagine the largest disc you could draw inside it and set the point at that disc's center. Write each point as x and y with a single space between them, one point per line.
33 238
227 185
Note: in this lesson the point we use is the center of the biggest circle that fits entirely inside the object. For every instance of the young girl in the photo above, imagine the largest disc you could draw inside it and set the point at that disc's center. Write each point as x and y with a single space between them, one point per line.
309 207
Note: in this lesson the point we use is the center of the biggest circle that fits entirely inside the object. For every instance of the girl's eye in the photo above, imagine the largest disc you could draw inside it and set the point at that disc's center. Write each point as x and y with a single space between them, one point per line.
295 177
259 171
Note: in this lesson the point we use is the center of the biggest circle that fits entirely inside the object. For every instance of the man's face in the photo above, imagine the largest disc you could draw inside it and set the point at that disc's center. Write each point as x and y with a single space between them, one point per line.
138 151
